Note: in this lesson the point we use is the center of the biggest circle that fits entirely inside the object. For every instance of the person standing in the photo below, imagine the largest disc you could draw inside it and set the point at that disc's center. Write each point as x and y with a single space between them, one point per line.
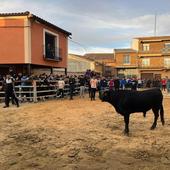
102 85
163 82
111 84
61 85
123 83
168 85
9 91
117 83
82 82
134 84
71 86
93 85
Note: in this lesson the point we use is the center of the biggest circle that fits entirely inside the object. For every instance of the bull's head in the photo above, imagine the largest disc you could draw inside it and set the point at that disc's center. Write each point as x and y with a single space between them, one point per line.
105 96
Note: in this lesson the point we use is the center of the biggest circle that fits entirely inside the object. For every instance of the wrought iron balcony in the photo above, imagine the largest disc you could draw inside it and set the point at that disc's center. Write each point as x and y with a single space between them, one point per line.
150 52
165 50
151 67
167 66
53 54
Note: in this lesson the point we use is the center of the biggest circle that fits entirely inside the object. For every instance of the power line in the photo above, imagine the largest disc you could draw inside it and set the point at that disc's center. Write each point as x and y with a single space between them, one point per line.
81 45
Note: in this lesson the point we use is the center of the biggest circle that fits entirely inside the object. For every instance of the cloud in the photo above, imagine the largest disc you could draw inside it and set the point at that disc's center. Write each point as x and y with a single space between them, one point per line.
98 24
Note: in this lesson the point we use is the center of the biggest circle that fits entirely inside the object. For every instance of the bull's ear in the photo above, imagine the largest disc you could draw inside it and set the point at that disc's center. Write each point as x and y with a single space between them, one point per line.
105 93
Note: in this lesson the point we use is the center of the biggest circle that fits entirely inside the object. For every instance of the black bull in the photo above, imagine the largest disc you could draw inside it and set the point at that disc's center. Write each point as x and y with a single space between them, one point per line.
126 102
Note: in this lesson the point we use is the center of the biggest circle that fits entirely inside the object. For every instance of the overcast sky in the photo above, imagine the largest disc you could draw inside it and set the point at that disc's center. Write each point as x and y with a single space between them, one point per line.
99 25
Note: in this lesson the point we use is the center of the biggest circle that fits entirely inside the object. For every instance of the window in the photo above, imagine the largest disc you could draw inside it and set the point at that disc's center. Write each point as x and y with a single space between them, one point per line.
146 62
126 59
145 47
167 45
51 45
167 62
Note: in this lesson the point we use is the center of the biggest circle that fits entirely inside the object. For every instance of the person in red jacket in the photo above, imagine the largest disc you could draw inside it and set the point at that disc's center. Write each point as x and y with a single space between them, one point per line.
163 82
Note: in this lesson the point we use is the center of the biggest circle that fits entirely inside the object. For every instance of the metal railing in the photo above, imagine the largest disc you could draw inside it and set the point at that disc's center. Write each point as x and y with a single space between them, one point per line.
164 50
37 90
52 54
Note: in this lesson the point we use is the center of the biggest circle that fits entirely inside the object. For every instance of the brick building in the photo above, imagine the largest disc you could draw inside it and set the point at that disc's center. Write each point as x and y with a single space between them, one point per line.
126 62
153 56
148 58
106 60
29 42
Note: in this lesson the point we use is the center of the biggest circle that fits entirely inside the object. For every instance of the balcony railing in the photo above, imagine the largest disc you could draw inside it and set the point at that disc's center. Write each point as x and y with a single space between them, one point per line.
165 50
152 67
160 51
52 54
167 66
150 52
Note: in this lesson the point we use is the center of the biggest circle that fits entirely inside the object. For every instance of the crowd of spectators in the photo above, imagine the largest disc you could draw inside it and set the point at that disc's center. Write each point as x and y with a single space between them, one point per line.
78 84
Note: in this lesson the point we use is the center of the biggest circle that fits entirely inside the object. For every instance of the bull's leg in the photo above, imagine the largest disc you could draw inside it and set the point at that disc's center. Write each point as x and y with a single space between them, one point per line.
144 114
126 120
156 115
162 114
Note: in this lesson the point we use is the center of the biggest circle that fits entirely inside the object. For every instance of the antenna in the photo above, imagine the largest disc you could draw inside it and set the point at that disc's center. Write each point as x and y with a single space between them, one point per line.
155 24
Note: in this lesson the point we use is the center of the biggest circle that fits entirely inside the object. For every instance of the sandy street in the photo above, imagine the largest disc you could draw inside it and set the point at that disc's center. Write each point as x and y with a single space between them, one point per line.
81 135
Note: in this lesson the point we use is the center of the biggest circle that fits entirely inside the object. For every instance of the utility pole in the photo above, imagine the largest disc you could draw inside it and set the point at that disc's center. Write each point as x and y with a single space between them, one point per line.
155 24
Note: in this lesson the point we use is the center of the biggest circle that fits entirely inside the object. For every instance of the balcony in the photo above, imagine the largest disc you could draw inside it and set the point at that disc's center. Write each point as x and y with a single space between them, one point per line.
126 66
162 51
152 67
52 54
167 67
165 50
163 67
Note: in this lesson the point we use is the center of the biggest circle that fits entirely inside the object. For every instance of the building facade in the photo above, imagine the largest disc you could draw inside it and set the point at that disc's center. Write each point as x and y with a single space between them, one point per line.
148 58
126 63
29 42
105 62
77 64
153 56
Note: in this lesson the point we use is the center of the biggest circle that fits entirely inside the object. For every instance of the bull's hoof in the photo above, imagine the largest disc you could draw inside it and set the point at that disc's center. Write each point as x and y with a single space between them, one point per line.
152 127
126 133
163 123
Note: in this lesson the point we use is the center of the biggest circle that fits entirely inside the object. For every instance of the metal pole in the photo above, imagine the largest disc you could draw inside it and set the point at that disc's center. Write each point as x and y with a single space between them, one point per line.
65 71
51 70
155 25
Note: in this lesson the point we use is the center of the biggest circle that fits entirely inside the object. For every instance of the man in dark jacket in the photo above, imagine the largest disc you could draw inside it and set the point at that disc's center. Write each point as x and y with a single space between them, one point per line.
71 86
9 91
82 82
117 83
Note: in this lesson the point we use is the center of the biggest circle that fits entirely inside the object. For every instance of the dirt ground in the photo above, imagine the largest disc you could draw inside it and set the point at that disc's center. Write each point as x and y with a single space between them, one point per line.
80 135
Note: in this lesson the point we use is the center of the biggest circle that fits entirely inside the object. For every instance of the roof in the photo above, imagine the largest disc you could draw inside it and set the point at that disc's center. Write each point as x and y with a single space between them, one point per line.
83 57
125 50
80 56
100 56
154 38
34 17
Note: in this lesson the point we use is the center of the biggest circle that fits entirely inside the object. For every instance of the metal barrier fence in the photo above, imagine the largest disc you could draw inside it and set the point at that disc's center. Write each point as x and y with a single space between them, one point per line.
37 90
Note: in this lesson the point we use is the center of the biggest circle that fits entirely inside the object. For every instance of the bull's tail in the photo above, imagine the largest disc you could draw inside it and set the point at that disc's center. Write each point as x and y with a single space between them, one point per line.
162 114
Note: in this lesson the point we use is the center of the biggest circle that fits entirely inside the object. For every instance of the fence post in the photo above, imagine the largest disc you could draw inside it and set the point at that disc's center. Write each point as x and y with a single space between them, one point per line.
20 94
34 83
